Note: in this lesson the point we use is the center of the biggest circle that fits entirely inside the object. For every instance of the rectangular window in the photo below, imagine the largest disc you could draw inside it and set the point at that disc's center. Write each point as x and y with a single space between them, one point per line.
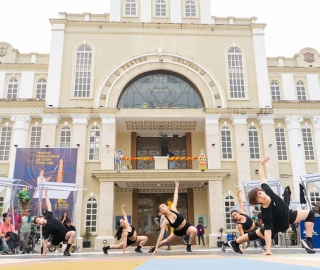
229 203
35 137
236 77
226 147
307 143
281 144
6 133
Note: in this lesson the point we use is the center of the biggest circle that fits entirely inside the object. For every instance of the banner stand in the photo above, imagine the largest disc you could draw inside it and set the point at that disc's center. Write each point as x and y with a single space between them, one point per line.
313 178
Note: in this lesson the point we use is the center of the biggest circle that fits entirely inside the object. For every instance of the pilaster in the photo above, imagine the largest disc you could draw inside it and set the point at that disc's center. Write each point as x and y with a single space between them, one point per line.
108 141
316 135
49 129
213 141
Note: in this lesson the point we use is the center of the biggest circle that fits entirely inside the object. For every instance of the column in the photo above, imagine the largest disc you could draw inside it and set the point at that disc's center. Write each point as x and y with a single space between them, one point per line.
215 210
242 147
175 11
108 141
269 145
2 83
261 67
106 215
55 65
316 137
20 136
288 87
297 156
205 12
313 86
79 131
213 142
49 129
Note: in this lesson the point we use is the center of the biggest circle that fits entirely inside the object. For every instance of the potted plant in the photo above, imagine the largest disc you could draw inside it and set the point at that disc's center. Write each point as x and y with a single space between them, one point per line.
293 238
86 235
219 238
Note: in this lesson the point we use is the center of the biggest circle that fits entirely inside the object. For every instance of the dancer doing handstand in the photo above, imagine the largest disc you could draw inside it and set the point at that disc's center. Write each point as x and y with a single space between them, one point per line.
180 225
276 216
245 224
129 235
50 225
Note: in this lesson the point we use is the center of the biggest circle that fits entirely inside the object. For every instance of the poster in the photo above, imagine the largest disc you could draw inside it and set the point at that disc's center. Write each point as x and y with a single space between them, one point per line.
202 218
35 165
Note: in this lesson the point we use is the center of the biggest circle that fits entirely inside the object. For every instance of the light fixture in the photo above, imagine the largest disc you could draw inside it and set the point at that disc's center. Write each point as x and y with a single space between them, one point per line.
94 124
91 194
50 105
160 60
299 144
270 144
104 241
15 145
36 123
213 145
65 124
256 171
78 144
107 145
47 145
242 145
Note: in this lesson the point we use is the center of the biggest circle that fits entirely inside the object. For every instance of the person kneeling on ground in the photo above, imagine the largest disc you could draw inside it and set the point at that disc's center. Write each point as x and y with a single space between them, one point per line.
129 235
276 216
52 226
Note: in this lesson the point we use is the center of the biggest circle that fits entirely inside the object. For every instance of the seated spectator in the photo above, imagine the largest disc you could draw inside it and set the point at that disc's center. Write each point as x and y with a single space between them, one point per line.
4 229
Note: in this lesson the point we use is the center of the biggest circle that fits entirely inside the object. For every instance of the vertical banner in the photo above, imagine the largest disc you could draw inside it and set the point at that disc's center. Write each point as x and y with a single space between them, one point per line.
35 165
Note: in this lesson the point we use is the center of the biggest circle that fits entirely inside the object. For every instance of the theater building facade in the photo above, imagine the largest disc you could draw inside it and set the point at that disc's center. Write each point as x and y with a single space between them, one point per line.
153 76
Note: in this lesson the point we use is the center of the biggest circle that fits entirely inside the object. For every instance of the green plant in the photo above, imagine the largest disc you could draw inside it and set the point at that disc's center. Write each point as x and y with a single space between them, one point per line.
87 234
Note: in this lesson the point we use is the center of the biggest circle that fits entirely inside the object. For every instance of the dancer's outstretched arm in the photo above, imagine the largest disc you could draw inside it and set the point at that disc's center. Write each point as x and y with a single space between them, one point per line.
175 197
261 170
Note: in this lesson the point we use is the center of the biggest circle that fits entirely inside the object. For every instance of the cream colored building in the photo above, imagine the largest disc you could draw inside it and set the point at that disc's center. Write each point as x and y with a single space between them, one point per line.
158 75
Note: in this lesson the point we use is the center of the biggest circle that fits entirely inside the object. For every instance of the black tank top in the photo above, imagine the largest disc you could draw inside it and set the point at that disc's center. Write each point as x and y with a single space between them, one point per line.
247 224
132 232
178 221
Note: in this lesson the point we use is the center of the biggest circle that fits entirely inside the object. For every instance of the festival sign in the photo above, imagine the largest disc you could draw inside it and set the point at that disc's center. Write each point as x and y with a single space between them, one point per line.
36 165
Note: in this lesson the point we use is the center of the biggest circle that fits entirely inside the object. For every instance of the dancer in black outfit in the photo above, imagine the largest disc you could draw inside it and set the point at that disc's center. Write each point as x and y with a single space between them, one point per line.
50 225
276 216
129 235
245 224
180 225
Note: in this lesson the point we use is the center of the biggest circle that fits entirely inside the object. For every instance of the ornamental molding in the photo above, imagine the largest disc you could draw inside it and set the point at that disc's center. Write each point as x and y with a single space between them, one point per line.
296 111
20 110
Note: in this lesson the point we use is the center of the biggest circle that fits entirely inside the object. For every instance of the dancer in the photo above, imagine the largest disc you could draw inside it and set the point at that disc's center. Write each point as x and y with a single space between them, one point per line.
50 225
245 224
276 216
180 225
129 235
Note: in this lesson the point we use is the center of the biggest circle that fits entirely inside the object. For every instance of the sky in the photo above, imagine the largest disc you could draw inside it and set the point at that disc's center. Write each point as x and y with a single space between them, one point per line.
291 24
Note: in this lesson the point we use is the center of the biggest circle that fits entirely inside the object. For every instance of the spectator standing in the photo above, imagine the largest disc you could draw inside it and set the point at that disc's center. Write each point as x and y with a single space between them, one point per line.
16 220
171 154
200 232
25 231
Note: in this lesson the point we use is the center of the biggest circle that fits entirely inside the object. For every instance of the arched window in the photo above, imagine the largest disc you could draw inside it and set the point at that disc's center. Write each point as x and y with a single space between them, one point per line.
236 76
91 214
35 137
275 90
41 88
5 143
281 144
229 203
82 81
130 8
160 89
308 143
161 8
12 91
301 91
190 9
94 143
253 143
226 147
65 137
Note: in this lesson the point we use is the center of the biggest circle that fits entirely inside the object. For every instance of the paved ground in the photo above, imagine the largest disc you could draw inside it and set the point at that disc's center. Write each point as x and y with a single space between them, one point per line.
177 258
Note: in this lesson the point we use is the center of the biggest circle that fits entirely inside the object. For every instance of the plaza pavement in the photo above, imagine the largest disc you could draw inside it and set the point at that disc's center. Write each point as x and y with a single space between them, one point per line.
201 258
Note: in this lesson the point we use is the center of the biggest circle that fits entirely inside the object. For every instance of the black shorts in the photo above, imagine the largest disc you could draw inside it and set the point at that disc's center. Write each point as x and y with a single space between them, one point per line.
182 231
292 216
130 242
57 240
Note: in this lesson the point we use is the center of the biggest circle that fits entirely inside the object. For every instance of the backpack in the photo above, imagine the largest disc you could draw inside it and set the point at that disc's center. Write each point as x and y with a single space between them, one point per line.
14 240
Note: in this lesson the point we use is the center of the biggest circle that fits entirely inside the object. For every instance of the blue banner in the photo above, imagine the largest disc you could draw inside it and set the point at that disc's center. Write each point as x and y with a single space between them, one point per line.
35 165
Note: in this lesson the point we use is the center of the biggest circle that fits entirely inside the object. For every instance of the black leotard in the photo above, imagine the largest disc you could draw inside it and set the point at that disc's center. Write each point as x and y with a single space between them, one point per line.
247 224
130 242
177 222
132 232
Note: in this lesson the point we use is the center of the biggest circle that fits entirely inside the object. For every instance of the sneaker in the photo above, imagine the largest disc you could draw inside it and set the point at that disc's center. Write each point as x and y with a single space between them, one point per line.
23 252
151 250
276 246
4 252
138 250
188 249
66 253
223 248
105 250
10 252
168 248
308 246
74 249
235 246
186 239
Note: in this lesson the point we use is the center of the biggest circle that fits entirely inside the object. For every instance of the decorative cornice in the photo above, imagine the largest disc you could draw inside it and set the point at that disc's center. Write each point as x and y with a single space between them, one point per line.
80 110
